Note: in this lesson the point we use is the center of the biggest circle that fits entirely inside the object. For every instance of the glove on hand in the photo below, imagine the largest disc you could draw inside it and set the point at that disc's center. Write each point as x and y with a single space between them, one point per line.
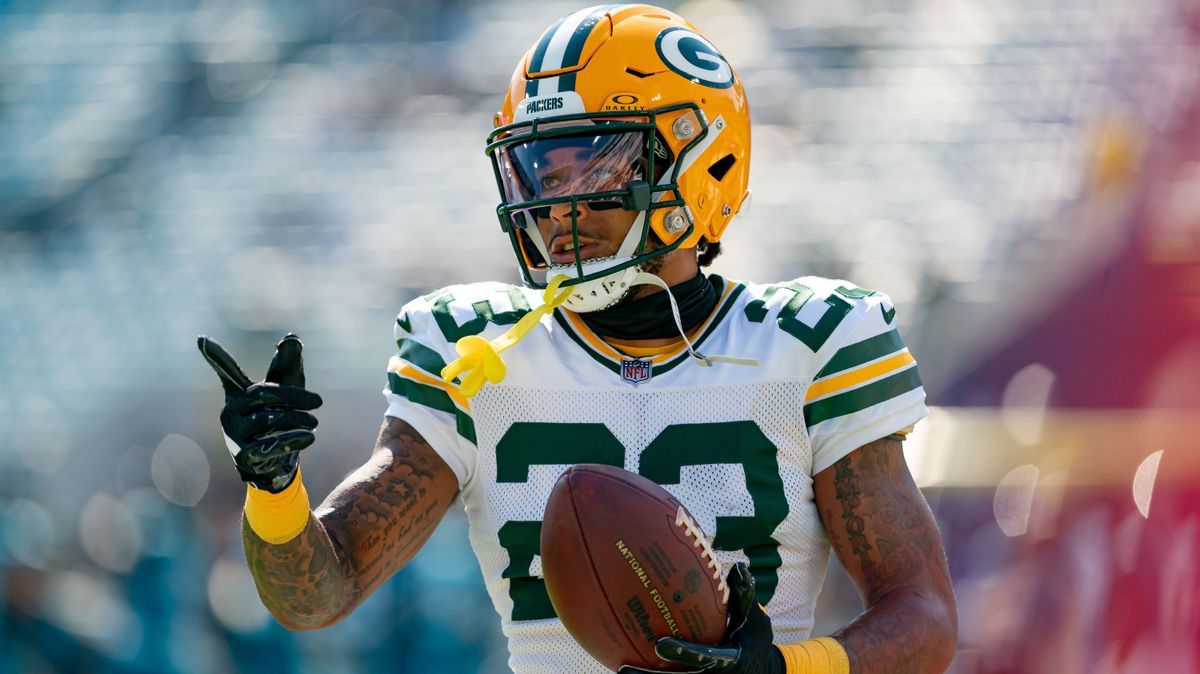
264 423
748 646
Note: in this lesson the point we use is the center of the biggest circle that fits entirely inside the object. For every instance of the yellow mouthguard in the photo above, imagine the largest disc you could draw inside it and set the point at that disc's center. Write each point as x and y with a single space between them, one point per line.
480 359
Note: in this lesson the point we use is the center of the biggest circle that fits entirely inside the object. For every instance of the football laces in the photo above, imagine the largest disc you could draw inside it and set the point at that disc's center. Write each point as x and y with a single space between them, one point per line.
682 519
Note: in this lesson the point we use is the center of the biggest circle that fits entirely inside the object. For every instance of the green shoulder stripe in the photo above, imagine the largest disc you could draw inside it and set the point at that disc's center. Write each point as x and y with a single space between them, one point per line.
434 398
863 352
422 356
861 398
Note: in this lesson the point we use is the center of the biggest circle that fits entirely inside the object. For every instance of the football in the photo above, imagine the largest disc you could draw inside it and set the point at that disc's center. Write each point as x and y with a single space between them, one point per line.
625 564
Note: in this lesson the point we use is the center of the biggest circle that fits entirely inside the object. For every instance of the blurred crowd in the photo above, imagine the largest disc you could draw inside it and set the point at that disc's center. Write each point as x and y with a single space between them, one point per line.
242 168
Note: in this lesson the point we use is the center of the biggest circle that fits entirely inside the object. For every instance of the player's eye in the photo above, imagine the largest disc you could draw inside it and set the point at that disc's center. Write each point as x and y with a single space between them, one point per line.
551 181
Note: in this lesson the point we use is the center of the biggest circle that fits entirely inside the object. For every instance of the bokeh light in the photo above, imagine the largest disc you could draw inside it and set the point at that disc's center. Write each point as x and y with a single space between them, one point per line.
1024 402
1143 482
1013 500
110 533
240 64
233 598
180 470
90 607
28 533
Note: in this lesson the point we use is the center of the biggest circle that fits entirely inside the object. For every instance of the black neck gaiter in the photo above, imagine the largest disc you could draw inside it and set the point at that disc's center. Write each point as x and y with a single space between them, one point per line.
650 317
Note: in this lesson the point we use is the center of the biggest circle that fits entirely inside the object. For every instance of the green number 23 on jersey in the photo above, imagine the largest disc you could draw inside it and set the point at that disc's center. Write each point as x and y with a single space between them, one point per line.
736 442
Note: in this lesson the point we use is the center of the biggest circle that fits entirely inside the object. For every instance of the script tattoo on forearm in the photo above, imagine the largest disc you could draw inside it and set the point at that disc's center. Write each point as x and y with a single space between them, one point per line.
370 525
887 539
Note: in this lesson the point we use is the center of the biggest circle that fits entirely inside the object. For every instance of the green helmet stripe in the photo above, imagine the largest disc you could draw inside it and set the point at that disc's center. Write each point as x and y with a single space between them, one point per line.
539 53
580 25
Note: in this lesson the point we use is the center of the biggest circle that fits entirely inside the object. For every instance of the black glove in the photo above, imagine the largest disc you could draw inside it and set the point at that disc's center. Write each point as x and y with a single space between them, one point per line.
748 647
263 423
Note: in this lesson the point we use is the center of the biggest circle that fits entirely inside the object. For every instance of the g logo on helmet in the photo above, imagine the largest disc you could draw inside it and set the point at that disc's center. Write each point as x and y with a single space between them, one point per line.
693 57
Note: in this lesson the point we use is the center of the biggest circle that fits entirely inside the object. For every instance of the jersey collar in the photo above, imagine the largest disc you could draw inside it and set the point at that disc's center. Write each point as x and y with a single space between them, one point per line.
611 356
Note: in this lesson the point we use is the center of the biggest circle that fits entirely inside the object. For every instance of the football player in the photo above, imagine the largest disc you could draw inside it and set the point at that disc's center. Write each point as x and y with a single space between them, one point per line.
774 412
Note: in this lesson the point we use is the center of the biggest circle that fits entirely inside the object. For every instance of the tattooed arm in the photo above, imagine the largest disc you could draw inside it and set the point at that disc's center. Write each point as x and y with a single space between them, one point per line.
370 525
885 536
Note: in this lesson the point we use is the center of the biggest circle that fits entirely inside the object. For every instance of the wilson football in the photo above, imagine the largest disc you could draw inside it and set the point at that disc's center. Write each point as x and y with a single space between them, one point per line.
625 564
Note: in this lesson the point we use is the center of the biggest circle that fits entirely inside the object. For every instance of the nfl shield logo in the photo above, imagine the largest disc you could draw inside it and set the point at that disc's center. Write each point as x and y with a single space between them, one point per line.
635 371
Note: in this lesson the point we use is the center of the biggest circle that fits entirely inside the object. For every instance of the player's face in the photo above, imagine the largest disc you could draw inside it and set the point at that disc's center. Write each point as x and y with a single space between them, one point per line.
594 169
602 224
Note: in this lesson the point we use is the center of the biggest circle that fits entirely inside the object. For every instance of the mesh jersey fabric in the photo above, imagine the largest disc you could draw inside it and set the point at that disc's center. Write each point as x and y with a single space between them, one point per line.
737 445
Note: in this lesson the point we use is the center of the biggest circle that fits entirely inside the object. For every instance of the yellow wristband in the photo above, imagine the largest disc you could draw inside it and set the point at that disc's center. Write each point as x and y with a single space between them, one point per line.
278 518
815 656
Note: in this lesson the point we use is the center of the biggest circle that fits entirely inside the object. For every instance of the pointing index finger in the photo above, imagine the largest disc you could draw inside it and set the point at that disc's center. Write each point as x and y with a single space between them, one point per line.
287 366
232 377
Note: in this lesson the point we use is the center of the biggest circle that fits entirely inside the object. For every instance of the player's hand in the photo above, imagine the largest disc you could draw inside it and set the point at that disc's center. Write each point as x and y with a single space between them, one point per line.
265 423
748 647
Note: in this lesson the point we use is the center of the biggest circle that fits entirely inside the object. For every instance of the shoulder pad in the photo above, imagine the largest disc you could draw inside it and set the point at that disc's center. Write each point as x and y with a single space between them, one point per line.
811 309
448 314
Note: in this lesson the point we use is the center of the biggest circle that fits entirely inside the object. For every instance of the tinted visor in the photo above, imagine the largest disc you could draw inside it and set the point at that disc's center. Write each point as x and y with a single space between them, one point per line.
586 166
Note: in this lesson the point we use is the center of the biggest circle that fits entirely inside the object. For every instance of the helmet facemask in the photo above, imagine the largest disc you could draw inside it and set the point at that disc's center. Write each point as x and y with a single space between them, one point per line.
597 162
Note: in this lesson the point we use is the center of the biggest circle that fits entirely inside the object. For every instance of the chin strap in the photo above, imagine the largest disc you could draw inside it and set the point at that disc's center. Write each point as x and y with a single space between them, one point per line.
699 358
480 359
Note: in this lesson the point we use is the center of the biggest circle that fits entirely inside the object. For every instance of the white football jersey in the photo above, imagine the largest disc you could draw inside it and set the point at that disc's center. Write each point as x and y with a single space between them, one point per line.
737 444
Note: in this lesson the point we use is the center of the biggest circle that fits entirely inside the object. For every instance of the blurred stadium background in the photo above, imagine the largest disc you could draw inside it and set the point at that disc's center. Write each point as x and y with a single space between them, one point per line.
1022 177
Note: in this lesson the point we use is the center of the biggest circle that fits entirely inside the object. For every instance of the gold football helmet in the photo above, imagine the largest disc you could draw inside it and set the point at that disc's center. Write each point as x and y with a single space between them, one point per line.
654 120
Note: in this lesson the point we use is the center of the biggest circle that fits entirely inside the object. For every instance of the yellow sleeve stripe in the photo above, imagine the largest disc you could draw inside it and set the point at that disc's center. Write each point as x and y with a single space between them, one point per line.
409 372
865 373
